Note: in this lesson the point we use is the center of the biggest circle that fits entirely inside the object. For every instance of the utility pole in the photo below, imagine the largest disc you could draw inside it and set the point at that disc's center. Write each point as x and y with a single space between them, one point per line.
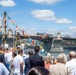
5 27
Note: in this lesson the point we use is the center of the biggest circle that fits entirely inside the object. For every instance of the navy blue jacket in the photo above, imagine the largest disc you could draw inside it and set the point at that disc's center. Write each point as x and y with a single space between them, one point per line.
36 60
27 65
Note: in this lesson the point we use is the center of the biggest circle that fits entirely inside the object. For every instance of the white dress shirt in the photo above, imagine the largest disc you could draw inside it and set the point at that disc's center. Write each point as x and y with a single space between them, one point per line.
72 65
16 63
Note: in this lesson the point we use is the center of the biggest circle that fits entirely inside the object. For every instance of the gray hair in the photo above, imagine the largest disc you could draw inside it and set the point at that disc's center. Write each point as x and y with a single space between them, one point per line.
62 58
72 54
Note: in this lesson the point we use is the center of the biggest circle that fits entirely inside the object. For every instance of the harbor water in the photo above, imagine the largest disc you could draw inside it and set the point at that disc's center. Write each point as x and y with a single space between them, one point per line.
55 54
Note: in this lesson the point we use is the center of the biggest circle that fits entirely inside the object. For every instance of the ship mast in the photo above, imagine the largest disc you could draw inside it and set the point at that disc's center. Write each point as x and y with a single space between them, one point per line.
5 27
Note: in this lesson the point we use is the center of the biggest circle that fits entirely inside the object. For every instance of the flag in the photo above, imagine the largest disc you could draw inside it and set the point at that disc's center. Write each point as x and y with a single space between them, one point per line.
22 32
16 27
11 20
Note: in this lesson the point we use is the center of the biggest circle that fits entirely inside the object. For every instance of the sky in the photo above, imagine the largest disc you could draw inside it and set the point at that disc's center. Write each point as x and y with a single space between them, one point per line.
44 16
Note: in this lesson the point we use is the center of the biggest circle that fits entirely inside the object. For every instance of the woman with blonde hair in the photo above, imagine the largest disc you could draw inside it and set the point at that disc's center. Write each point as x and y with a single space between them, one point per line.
47 61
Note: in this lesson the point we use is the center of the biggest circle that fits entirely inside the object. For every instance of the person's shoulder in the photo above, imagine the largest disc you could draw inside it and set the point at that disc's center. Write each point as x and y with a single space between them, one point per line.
26 60
14 57
52 66
19 56
68 62
32 56
1 53
1 64
40 56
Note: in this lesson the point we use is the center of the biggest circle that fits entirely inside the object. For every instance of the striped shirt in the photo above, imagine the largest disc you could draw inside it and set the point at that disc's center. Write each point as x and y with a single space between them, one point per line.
72 65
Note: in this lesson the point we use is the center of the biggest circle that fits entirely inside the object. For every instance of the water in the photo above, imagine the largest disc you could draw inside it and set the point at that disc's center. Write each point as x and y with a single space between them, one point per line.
65 51
54 54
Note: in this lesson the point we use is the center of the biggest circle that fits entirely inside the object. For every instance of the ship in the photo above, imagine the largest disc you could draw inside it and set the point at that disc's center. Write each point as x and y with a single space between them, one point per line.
51 43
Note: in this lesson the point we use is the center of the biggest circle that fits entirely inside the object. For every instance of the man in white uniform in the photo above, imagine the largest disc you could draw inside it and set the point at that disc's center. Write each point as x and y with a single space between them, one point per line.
8 58
18 63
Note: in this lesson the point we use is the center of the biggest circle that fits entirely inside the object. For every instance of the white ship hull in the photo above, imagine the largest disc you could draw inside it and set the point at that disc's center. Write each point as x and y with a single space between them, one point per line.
57 49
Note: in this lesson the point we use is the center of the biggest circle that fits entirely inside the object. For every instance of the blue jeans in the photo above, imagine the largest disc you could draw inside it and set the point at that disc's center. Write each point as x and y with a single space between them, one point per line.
8 65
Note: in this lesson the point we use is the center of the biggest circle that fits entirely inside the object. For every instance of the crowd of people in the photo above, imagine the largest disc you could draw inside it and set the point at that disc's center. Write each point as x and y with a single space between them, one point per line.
12 62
